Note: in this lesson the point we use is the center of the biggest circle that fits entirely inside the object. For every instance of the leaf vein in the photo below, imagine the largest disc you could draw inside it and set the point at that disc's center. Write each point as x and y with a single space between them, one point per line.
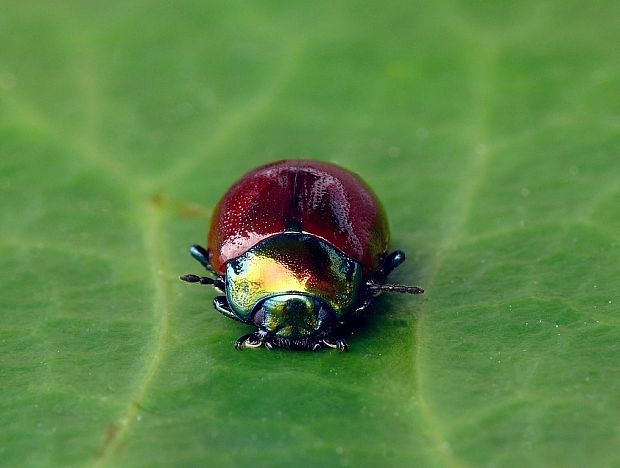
458 213
154 252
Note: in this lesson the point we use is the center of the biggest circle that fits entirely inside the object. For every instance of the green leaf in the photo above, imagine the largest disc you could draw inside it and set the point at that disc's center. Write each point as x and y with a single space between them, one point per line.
490 131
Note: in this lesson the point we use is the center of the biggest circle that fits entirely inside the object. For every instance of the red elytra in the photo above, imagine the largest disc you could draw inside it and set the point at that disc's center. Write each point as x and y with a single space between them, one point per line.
317 198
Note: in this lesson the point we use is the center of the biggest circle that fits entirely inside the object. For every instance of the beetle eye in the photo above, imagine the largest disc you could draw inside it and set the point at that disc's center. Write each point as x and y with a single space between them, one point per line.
324 314
259 316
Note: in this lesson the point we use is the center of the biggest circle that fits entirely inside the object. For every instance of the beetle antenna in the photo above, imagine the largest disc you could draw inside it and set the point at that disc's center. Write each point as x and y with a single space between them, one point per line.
197 279
395 288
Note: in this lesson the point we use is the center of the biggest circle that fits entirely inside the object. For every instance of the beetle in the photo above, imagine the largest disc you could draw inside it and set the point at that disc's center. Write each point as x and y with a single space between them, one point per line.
297 248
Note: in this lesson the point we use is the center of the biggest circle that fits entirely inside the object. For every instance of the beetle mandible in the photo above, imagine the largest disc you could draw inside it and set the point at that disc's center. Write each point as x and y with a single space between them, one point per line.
297 248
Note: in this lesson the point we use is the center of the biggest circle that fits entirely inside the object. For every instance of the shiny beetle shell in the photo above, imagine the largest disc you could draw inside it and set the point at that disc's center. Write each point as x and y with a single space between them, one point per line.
317 198
297 247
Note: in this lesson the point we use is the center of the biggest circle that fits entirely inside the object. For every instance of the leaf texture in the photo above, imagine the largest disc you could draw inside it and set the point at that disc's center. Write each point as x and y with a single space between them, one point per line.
490 131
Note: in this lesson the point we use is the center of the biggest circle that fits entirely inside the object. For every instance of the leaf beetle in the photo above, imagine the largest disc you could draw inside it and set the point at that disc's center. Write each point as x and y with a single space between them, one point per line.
297 248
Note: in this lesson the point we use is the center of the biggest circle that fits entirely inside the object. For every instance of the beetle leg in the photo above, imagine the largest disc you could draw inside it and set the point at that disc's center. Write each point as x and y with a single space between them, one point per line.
391 261
367 301
334 342
256 339
318 346
201 255
251 340
220 303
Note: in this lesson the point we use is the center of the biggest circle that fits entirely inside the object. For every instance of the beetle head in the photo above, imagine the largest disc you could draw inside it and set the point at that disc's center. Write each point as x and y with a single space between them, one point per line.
293 315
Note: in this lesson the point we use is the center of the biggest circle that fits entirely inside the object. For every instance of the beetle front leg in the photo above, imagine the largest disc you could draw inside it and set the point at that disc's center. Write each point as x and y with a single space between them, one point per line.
220 303
336 342
251 340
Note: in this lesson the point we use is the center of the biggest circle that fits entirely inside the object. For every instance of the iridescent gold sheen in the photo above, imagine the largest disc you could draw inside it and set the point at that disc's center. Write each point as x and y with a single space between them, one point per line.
293 263
291 315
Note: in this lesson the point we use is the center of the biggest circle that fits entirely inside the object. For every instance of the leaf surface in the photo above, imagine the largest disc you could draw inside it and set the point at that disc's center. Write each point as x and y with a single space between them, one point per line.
489 130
